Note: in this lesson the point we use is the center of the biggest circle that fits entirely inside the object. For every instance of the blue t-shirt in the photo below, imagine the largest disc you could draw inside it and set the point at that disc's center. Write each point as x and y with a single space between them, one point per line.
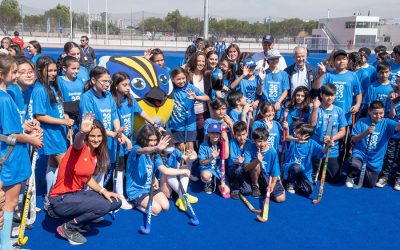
29 101
235 115
275 134
183 116
395 67
17 168
296 114
384 130
364 78
397 118
337 119
71 91
18 97
105 110
378 92
35 58
302 154
235 151
126 115
275 84
249 88
54 135
371 73
270 163
139 170
348 86
214 165
174 159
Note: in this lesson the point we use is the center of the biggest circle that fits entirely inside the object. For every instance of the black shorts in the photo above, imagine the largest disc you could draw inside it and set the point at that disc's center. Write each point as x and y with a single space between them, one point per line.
245 185
179 136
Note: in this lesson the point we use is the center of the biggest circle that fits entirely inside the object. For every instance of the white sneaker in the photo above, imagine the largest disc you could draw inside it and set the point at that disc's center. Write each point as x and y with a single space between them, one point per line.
349 182
381 182
290 188
125 204
397 185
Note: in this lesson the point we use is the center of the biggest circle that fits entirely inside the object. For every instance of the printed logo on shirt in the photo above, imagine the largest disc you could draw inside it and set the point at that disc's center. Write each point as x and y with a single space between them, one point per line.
271 139
374 140
339 90
106 118
250 94
60 109
149 171
75 96
273 89
126 122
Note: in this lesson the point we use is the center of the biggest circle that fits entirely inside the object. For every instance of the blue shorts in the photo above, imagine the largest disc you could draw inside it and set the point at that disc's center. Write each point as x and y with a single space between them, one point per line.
136 202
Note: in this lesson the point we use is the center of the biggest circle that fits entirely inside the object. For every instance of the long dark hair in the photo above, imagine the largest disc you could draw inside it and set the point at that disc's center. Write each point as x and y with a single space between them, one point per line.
147 130
103 160
42 68
305 106
191 65
95 73
263 108
117 78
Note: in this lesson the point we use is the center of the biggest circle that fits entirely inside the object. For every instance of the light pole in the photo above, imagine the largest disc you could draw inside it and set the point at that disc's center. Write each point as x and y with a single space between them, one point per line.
205 29
88 13
107 21
70 19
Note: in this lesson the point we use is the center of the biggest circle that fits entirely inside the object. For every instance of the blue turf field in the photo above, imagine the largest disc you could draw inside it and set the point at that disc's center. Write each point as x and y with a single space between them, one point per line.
345 218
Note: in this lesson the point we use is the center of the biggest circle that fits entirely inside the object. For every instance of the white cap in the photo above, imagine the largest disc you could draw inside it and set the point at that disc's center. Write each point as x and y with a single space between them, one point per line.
273 53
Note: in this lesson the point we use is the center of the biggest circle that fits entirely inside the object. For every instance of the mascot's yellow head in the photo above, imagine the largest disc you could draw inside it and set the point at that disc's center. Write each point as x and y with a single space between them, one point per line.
150 85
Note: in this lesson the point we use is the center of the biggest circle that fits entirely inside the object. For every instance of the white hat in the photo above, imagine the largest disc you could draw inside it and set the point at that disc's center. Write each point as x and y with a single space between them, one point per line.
273 53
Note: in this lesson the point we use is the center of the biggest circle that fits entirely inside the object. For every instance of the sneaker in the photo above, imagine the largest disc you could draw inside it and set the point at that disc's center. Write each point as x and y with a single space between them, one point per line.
98 220
256 191
125 204
207 188
290 188
84 229
349 182
235 194
381 182
192 199
397 185
73 236
194 178
181 204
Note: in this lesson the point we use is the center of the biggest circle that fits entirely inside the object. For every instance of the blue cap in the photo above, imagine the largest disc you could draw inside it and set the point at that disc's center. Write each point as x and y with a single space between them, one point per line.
268 39
214 128
249 62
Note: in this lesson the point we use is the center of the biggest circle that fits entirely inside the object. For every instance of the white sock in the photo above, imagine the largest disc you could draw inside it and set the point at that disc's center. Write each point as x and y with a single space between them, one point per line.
174 184
185 182
51 175
119 186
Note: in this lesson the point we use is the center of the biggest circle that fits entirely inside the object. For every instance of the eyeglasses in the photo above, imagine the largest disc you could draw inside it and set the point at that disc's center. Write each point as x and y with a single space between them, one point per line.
27 73
105 82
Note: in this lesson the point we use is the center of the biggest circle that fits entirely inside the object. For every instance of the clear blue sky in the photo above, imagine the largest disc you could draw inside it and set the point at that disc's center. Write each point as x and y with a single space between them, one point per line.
306 9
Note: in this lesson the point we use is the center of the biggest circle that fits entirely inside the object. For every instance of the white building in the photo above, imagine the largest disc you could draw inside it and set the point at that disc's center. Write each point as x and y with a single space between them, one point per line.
389 32
345 32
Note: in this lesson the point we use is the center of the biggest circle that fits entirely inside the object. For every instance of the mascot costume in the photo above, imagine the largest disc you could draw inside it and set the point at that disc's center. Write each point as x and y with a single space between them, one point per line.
150 85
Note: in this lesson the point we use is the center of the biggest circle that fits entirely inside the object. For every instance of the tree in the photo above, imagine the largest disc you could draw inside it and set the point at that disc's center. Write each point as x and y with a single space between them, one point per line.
173 20
10 15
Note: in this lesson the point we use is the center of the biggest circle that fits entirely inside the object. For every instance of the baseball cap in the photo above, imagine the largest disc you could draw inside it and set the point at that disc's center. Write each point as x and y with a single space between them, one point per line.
339 53
214 128
268 39
16 33
273 53
249 62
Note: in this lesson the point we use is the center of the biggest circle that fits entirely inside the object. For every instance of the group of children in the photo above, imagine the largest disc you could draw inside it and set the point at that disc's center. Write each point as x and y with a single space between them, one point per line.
259 136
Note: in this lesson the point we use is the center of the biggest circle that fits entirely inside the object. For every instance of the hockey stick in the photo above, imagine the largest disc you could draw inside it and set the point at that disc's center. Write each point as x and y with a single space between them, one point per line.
22 239
222 187
285 114
147 224
264 213
364 166
32 185
193 218
115 176
71 141
248 204
321 184
320 161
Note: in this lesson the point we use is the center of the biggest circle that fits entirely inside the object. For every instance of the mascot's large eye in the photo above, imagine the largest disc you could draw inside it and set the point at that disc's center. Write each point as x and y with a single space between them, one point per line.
138 83
163 79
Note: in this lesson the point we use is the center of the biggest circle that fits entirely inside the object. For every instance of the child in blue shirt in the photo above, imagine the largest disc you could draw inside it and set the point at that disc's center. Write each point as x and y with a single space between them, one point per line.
143 160
240 109
321 113
298 107
16 168
127 108
370 136
218 114
260 162
174 158
276 83
265 119
49 111
298 160
380 89
182 122
248 82
236 157
346 82
210 158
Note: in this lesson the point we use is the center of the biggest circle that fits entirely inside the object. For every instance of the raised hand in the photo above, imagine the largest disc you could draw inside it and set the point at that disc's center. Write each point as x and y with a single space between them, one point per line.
246 71
164 142
261 73
87 123
192 95
260 157
215 151
321 68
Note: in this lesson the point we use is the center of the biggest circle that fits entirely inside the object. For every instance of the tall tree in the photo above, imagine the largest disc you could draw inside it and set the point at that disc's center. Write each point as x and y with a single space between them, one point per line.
10 15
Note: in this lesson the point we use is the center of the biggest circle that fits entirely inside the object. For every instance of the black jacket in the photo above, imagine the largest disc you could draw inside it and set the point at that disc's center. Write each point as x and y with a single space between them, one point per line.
312 75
